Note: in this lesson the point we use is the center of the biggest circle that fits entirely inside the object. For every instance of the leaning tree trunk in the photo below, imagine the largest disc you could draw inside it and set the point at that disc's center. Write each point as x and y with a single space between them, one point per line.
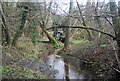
20 31
51 38
83 21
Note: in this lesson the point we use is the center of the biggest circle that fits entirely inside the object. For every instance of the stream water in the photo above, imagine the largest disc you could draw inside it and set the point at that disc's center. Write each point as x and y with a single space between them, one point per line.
68 68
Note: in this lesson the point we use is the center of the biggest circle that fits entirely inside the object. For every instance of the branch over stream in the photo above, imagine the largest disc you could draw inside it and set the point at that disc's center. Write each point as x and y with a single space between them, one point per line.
84 27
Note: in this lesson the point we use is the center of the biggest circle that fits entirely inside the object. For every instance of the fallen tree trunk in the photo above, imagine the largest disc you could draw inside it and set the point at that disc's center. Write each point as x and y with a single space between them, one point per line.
51 38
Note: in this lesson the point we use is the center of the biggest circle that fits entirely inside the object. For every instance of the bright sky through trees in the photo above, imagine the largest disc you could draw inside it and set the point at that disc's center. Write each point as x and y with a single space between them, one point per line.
63 4
65 1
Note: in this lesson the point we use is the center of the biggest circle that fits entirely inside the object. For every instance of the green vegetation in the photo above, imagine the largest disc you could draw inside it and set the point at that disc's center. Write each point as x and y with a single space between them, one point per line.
25 52
43 49
83 43
104 45
16 72
63 53
35 34
0 70
28 55
76 42
91 44
31 31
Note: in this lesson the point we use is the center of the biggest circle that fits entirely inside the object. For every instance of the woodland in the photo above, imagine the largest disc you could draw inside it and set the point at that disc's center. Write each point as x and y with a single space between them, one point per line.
53 40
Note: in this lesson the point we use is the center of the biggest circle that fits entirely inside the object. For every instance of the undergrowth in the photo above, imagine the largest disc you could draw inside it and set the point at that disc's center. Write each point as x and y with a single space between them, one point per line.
16 72
23 52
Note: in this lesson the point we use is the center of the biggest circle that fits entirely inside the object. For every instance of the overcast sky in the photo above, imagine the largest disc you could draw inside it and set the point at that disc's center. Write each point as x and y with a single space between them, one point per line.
63 4
66 1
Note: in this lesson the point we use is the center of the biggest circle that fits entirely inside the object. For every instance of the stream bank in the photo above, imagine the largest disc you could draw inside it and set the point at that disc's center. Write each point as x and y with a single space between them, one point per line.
24 54
94 58
97 57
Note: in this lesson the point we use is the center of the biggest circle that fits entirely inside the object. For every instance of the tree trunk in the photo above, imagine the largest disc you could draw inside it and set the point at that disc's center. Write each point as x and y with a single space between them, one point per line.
97 20
66 43
116 23
83 22
4 26
49 36
55 30
67 30
119 7
20 31
118 36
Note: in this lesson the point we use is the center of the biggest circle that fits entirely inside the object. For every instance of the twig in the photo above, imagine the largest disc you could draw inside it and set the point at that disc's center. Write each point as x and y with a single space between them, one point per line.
116 70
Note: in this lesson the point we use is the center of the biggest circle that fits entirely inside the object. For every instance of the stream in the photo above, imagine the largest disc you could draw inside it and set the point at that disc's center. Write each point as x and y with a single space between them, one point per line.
68 68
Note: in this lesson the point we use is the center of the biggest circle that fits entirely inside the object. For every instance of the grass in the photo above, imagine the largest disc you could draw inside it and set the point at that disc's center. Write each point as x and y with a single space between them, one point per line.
91 44
83 43
76 42
104 45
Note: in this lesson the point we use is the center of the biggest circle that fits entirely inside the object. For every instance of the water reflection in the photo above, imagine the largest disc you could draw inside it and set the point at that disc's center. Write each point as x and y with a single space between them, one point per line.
66 69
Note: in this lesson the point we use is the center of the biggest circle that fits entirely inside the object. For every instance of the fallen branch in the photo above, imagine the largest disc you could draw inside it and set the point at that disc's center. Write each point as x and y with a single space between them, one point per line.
84 27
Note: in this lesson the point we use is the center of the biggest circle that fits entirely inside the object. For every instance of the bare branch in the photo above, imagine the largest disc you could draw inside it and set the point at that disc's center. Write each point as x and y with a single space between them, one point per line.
84 27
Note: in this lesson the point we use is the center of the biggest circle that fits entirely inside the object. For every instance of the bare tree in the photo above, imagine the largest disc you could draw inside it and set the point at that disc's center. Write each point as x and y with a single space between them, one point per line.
66 44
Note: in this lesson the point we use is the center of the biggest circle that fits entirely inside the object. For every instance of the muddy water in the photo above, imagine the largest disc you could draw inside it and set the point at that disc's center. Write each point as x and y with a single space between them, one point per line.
68 68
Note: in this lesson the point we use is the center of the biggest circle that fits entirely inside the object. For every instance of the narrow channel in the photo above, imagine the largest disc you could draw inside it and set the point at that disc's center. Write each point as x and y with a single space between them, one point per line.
68 68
